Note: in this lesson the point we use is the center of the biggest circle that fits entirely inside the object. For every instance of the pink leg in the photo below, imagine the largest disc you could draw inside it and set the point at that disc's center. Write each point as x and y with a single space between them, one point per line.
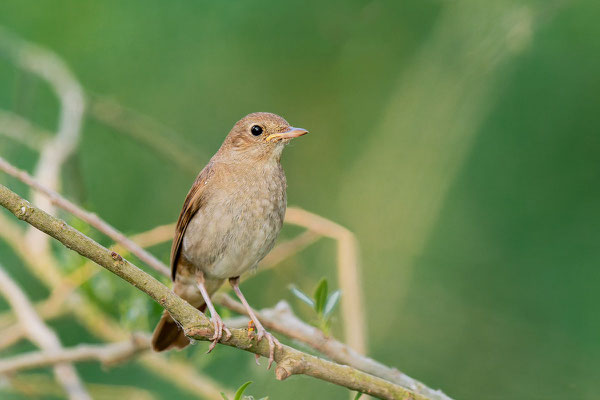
216 320
261 332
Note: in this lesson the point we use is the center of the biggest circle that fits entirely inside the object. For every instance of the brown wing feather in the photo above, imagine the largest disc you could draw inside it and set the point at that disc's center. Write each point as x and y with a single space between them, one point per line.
193 202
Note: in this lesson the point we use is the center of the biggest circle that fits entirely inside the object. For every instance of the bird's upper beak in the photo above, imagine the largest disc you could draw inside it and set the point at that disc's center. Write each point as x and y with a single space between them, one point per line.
289 134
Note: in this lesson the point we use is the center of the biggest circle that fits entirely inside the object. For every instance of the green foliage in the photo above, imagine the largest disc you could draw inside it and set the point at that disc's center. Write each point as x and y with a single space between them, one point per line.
358 395
302 296
320 296
239 394
323 303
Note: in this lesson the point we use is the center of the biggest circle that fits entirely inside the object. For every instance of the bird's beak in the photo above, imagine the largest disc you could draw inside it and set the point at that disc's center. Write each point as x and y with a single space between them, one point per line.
289 134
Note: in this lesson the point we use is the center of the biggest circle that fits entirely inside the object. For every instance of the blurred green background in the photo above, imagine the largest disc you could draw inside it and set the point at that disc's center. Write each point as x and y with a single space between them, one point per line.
459 140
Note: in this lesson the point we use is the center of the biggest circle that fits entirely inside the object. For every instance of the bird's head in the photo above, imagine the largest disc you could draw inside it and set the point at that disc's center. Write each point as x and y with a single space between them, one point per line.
259 135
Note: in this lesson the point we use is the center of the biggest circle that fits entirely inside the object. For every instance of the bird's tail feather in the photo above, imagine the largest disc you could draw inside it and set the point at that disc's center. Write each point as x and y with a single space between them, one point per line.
168 334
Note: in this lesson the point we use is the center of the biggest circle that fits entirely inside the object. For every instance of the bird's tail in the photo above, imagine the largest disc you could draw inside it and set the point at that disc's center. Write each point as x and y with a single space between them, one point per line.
168 334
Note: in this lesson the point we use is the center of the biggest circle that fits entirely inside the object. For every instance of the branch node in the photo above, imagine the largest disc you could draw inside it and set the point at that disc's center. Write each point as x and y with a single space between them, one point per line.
116 256
24 211
198 333
288 367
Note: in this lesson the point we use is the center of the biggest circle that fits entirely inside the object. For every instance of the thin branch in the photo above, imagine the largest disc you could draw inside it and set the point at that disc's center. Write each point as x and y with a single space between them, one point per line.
44 268
282 319
144 129
107 354
290 361
91 218
39 386
101 324
13 333
287 249
155 235
184 376
41 335
352 302
22 130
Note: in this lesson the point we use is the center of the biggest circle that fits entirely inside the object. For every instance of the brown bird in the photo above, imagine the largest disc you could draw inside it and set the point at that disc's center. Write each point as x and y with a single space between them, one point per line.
229 222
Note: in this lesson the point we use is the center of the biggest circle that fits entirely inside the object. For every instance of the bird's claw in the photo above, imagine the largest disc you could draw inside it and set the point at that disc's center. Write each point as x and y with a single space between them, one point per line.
219 327
273 342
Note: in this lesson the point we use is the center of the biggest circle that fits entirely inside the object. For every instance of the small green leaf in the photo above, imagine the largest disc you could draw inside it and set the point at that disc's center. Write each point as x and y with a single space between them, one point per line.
331 303
240 391
302 296
224 396
358 395
320 296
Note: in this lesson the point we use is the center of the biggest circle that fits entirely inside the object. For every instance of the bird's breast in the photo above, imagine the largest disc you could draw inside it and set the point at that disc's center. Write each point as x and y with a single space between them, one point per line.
238 224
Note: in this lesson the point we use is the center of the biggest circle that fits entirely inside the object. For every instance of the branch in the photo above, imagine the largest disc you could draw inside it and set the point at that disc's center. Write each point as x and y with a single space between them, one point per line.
101 325
22 130
110 354
41 386
353 313
160 233
90 218
286 249
282 319
47 309
41 335
289 361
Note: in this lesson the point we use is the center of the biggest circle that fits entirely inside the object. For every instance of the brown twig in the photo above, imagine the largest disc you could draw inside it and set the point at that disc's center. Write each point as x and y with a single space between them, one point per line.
102 325
22 130
353 313
282 319
194 323
287 249
86 216
38 386
109 354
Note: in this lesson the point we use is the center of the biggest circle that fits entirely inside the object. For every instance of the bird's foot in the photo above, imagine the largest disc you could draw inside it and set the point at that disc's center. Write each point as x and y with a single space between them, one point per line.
219 327
273 342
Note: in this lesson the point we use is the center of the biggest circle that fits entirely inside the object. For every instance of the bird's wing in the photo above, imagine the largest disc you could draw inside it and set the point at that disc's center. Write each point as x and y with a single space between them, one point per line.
194 200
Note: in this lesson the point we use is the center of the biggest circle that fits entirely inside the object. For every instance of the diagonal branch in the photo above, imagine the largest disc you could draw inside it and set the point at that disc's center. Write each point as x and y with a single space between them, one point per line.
282 319
289 360
86 216
22 130
101 325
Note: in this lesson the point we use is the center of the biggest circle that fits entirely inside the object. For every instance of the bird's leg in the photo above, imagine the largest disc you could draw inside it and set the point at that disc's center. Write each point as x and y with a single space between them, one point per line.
260 330
216 320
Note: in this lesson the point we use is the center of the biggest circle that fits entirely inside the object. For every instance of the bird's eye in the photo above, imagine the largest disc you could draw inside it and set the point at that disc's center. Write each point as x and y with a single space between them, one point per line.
256 130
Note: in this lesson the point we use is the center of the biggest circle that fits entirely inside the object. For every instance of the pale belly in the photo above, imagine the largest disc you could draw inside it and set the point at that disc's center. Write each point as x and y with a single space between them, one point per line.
229 236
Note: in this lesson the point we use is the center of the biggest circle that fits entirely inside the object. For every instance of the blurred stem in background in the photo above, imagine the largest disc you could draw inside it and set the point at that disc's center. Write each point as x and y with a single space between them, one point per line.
432 117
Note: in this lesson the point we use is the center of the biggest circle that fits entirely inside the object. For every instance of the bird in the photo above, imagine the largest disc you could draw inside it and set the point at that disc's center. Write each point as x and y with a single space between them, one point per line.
229 221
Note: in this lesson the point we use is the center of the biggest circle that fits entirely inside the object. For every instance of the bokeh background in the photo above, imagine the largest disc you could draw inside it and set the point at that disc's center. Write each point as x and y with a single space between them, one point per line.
459 140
